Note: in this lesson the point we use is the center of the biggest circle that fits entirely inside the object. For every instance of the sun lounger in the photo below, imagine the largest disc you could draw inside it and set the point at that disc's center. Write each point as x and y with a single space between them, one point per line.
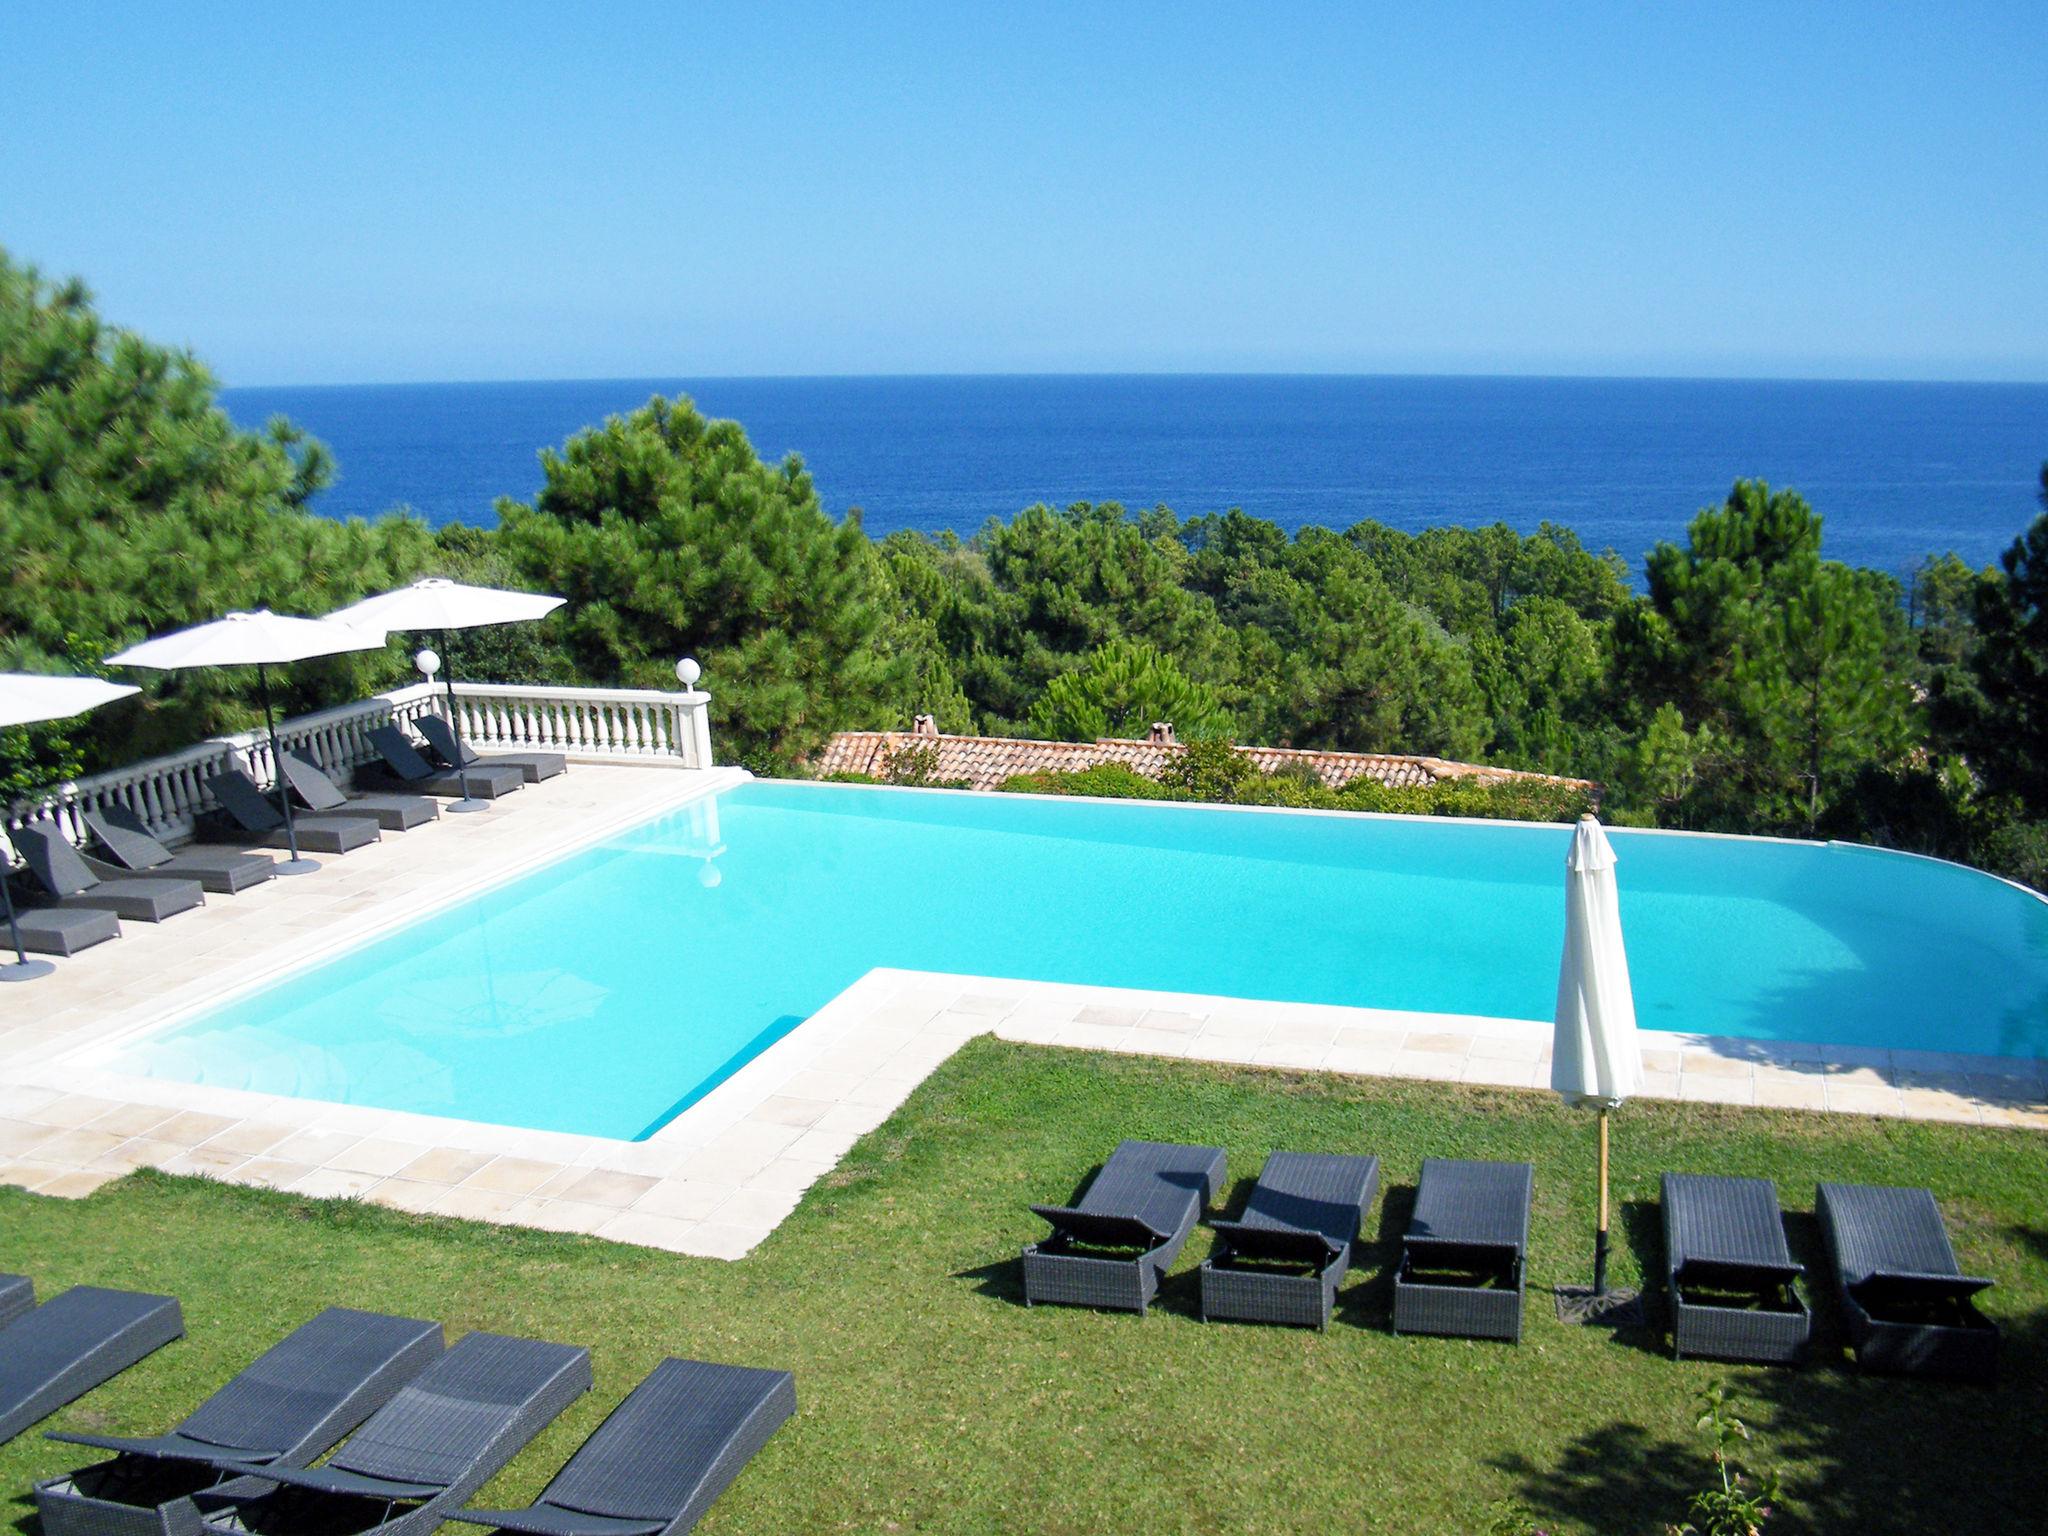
250 816
450 753
17 1295
1733 1286
292 1403
68 881
663 1456
1906 1306
443 1436
1113 1249
63 930
317 792
73 1342
1464 1258
124 845
1282 1261
404 767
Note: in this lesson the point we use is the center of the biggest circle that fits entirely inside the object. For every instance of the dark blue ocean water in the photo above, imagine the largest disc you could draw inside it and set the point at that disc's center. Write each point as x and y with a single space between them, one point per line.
1897 470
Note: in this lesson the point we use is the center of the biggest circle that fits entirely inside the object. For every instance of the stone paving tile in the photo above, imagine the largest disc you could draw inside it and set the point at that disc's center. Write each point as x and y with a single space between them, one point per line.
315 1147
18 1137
599 1186
444 1165
684 1199
473 1204
194 1163
412 1195
74 1185
250 1137
512 1175
371 1155
271 1172
132 1119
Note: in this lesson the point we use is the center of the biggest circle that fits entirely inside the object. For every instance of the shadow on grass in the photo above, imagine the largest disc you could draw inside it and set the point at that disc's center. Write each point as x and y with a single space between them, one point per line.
1367 1297
1873 1453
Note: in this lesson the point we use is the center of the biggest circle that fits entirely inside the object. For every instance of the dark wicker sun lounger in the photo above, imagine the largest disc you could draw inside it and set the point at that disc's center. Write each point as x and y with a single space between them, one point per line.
317 792
68 881
404 767
125 846
1906 1305
17 1295
250 816
292 1403
450 753
445 1434
64 930
663 1456
1464 1258
1113 1249
1733 1286
1282 1261
73 1342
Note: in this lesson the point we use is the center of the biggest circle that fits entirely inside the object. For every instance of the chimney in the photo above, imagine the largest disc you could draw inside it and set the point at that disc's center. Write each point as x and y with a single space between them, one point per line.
1161 734
924 725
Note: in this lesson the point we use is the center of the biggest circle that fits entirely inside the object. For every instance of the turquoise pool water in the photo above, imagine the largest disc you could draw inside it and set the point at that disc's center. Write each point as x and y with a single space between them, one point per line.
605 993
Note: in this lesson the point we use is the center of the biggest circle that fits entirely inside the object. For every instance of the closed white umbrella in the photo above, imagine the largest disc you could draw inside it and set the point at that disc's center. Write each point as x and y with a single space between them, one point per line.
25 699
1594 1059
262 640
435 603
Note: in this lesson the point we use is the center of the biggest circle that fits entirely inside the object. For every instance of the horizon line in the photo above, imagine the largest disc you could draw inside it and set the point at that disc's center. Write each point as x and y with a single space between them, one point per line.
1160 373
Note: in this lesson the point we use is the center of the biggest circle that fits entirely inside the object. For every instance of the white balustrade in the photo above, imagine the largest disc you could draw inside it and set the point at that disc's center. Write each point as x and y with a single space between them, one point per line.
593 725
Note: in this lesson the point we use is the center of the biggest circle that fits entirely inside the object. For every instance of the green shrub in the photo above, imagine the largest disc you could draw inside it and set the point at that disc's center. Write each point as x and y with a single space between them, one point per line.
2017 850
1107 781
1209 770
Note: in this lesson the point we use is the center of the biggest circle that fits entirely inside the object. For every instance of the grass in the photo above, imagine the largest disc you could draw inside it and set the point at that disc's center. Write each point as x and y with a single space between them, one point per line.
932 1401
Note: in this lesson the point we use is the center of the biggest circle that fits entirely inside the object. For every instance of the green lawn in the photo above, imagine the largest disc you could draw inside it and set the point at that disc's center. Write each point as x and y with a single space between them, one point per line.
931 1400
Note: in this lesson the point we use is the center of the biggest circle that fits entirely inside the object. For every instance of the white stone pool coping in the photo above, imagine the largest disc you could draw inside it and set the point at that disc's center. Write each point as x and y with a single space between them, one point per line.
722 1175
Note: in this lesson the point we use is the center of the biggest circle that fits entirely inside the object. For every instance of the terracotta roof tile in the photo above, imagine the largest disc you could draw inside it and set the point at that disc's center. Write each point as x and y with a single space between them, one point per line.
986 761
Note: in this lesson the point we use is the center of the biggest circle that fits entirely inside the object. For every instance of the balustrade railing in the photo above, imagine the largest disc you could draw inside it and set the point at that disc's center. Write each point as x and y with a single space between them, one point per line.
597 725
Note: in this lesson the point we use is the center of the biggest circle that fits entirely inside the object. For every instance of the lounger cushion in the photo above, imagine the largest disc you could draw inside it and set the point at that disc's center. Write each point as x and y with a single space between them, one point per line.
1101 1228
66 930
662 1456
74 1342
69 880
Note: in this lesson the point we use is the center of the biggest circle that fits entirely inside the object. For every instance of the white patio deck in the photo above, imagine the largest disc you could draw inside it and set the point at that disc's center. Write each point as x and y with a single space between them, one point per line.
722 1175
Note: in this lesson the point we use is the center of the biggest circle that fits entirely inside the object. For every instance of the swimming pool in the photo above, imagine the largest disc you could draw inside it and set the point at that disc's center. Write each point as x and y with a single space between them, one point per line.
605 993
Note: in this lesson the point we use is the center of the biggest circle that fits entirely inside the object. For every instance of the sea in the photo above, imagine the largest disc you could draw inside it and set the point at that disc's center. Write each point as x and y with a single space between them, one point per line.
1897 470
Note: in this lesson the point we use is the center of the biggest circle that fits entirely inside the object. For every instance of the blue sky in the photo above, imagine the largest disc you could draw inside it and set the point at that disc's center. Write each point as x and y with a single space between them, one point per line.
425 191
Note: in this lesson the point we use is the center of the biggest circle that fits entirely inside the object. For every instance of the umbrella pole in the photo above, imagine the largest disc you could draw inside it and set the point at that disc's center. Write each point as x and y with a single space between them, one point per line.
455 730
295 865
1600 1241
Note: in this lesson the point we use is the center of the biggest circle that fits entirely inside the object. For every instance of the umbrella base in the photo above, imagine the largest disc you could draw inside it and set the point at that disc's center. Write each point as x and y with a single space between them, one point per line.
25 970
466 807
297 866
1616 1307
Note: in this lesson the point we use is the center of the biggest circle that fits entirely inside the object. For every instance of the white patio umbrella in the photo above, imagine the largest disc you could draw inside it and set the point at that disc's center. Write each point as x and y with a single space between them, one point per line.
438 604
1594 1059
25 699
261 639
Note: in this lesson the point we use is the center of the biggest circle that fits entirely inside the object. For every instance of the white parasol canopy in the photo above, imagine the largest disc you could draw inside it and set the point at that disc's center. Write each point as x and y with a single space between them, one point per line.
250 639
434 602
1594 1058
438 604
260 639
26 697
